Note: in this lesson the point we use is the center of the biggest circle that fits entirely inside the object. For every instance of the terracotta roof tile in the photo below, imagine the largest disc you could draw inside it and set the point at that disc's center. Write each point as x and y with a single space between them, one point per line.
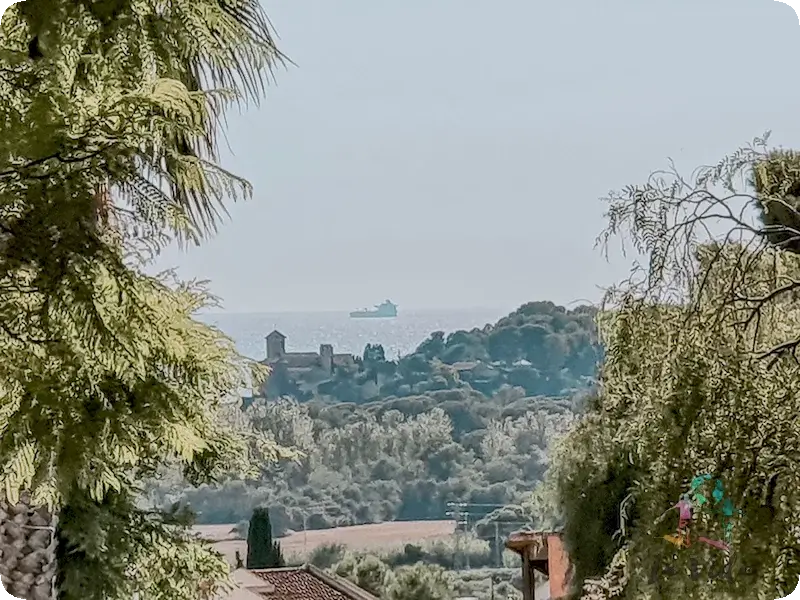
307 583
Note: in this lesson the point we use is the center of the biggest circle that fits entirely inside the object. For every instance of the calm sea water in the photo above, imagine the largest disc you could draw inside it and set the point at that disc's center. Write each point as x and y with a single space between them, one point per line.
306 331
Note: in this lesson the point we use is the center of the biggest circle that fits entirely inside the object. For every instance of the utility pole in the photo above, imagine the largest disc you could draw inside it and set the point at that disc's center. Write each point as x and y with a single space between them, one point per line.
466 530
461 517
305 534
456 517
305 510
461 511
497 548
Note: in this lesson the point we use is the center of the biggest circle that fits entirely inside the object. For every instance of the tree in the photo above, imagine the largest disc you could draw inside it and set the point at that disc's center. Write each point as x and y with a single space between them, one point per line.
262 551
110 118
420 582
434 346
738 211
698 379
367 572
415 582
159 399
373 354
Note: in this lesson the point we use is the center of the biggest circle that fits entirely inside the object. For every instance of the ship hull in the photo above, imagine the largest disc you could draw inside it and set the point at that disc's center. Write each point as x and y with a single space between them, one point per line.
386 310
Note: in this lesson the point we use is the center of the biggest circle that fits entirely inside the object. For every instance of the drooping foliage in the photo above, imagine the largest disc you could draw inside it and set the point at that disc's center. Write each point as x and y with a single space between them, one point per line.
591 493
776 180
129 93
696 381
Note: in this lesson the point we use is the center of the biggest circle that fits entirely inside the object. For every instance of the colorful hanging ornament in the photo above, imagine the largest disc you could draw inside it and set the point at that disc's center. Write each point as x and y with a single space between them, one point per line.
693 500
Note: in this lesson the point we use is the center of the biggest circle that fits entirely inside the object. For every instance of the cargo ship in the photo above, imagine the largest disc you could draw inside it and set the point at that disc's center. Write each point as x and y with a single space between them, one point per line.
387 310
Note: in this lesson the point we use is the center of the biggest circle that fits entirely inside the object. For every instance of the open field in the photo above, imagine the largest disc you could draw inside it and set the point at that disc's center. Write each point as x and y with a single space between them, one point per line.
380 537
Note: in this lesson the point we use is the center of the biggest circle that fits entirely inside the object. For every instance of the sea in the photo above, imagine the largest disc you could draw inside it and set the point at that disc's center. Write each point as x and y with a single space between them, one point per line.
306 331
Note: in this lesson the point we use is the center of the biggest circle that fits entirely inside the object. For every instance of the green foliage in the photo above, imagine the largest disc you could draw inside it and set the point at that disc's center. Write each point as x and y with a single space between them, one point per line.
776 180
414 582
542 348
132 414
262 551
406 457
684 396
591 498
326 555
457 552
396 459
420 582
86 419
110 112
93 537
367 572
489 584
686 389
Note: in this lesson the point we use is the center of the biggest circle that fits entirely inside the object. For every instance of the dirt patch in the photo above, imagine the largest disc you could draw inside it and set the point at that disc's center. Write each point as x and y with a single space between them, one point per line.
380 537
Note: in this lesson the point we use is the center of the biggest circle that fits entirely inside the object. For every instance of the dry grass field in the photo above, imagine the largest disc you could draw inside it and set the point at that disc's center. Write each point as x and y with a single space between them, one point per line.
380 537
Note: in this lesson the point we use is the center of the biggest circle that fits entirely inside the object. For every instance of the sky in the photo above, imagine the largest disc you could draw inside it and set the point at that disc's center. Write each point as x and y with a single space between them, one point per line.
452 154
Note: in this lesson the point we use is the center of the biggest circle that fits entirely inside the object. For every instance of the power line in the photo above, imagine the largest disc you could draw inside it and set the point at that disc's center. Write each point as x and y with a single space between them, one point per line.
476 504
305 510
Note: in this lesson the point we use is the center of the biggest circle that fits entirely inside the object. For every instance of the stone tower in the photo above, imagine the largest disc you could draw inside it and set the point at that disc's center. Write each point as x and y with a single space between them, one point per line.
276 345
326 357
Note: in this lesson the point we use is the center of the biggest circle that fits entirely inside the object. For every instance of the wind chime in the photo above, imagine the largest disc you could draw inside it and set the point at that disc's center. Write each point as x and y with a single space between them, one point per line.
694 500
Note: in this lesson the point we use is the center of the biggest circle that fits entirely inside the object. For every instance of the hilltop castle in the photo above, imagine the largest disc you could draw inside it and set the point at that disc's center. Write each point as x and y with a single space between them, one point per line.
303 362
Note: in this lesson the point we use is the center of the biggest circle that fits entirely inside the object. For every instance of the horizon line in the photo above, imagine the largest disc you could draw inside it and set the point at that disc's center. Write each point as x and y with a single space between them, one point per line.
344 311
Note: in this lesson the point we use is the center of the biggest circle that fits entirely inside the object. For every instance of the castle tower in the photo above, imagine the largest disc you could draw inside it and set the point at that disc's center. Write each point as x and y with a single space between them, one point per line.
326 357
276 345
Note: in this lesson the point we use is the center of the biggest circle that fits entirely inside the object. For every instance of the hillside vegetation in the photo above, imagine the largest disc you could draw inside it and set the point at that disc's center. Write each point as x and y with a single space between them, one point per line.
404 456
543 348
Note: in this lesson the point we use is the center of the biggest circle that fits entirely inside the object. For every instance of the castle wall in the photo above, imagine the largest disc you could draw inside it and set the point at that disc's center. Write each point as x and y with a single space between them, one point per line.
296 360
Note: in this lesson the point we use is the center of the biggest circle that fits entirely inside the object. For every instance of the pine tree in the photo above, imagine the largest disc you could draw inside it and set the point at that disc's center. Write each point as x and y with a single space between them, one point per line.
262 551
110 112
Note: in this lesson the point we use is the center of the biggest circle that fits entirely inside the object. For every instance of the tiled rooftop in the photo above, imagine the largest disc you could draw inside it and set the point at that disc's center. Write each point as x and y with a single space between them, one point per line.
306 583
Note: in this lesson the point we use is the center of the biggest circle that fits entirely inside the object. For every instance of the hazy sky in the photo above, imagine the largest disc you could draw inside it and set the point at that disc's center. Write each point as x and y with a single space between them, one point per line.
452 153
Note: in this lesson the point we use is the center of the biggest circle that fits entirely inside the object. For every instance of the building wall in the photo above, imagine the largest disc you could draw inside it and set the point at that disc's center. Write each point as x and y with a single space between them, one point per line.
276 347
558 566
298 360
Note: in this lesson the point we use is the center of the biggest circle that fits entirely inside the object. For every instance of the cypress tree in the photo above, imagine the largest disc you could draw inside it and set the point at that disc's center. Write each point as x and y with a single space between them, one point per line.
277 555
262 551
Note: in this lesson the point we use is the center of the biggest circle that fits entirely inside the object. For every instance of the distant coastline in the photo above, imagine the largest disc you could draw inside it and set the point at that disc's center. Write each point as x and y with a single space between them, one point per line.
306 331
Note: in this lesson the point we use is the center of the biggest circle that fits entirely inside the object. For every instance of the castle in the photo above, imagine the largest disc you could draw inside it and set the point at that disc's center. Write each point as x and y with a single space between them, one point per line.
303 362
